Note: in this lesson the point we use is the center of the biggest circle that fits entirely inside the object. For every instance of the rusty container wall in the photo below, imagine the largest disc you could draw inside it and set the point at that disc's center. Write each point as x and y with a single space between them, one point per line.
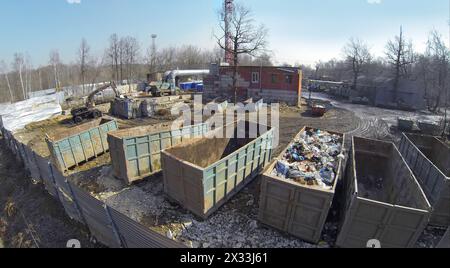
136 152
384 201
294 208
429 159
80 144
203 174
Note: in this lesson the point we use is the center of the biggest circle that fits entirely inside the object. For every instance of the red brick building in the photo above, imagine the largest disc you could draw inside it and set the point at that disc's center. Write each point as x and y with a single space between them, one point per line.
273 84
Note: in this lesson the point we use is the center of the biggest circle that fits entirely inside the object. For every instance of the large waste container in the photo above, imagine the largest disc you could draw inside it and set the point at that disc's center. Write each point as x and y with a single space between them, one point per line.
80 144
136 152
429 159
126 108
298 202
383 199
202 174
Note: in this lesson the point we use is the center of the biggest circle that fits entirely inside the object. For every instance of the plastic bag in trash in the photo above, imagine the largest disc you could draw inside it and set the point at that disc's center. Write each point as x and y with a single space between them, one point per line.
282 168
295 174
327 176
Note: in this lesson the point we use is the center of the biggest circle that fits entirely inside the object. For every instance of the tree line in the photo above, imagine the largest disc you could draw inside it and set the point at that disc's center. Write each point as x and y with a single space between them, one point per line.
358 66
123 60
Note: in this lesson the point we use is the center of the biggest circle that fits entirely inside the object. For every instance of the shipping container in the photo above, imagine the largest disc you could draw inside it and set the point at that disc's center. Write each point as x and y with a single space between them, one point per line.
136 152
299 210
429 159
383 200
203 174
80 144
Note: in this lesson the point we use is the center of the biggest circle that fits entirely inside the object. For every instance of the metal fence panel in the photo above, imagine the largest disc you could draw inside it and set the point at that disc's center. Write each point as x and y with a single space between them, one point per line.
46 174
137 236
96 218
66 196
31 164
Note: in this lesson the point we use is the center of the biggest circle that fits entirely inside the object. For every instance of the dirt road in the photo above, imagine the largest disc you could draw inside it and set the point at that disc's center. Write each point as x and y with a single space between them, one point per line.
375 122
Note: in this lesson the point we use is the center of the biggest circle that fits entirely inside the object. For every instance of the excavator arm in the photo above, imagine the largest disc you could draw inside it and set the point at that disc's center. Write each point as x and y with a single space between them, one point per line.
90 103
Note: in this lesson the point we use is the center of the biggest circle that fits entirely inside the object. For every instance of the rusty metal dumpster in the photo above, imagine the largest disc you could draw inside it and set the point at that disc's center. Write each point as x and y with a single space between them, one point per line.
136 152
294 208
429 159
383 199
80 144
202 174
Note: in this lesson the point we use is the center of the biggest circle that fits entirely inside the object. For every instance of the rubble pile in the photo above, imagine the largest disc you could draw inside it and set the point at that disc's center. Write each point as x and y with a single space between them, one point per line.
236 226
312 159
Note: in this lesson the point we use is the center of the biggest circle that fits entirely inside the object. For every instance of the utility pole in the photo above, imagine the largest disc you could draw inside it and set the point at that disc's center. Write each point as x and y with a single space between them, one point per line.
229 8
153 60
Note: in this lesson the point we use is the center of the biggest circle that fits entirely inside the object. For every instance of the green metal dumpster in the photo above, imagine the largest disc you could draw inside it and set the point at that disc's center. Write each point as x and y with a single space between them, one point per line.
383 199
203 174
80 144
136 152
299 210
429 159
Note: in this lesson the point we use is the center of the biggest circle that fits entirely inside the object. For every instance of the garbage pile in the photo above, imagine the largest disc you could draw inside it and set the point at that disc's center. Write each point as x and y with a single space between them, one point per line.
312 159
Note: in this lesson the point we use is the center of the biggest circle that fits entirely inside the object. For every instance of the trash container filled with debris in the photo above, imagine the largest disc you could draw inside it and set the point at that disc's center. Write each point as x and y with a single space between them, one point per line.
298 188
429 159
383 200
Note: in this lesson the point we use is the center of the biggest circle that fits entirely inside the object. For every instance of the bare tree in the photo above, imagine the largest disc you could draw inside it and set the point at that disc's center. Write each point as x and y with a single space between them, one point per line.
130 56
96 65
357 55
28 68
400 56
436 68
246 38
55 62
114 54
19 66
83 60
4 70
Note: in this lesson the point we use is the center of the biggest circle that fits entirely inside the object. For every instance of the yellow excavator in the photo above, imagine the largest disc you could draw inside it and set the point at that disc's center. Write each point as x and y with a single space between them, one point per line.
89 112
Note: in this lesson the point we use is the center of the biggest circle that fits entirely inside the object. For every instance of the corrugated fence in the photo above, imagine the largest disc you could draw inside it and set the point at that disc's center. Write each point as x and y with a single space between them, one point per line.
108 226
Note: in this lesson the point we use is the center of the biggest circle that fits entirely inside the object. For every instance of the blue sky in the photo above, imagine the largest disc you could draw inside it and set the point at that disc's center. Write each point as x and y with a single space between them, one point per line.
301 31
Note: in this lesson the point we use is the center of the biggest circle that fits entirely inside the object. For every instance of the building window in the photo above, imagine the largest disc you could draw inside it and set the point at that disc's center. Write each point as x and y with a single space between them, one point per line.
289 79
274 78
255 77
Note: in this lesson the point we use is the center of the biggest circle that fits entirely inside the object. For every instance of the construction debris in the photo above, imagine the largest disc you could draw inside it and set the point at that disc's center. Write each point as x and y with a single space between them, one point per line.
312 159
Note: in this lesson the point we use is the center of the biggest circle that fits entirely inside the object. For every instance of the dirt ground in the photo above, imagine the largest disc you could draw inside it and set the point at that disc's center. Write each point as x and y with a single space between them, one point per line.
29 216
